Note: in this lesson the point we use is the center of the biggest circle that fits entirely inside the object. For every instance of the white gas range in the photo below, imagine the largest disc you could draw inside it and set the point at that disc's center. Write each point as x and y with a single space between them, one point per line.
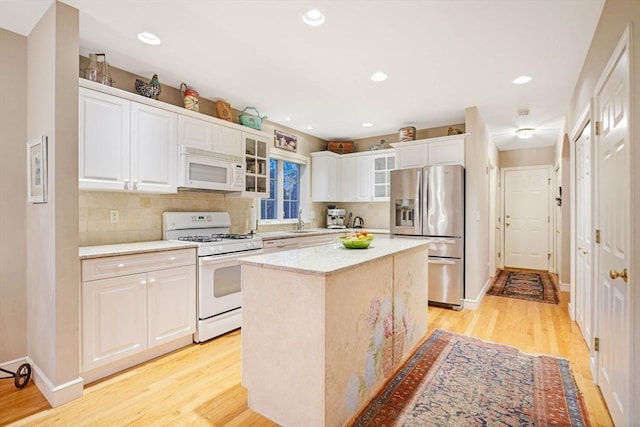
219 278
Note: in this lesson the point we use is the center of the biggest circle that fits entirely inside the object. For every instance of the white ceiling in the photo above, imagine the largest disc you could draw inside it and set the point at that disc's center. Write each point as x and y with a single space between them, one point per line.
441 57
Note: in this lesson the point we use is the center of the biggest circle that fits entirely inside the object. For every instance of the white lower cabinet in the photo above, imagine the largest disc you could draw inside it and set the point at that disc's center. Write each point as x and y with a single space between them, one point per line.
170 304
132 304
114 319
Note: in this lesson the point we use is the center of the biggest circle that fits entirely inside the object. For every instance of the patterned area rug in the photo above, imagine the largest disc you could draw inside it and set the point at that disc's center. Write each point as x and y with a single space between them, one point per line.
454 380
529 285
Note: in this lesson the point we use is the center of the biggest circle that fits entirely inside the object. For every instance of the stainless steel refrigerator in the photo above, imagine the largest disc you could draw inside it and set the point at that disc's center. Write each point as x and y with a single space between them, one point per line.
429 202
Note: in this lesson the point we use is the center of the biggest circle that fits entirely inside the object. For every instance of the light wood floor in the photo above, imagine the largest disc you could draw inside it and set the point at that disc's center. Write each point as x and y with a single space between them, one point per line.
200 384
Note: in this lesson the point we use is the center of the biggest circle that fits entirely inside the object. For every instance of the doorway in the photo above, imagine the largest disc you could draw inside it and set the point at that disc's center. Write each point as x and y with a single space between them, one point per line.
527 217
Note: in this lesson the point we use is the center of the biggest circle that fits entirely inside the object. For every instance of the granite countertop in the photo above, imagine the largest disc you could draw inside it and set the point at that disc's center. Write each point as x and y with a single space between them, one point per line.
272 235
330 259
87 252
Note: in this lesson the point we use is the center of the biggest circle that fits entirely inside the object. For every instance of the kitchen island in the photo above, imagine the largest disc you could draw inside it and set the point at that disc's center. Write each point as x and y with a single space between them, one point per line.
324 327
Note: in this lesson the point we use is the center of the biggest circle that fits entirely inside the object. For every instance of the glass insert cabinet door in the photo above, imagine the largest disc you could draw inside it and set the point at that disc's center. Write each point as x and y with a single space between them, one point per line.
382 167
257 164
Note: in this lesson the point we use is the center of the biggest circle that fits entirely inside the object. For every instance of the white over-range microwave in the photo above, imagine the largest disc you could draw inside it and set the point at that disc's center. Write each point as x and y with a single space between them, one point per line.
206 170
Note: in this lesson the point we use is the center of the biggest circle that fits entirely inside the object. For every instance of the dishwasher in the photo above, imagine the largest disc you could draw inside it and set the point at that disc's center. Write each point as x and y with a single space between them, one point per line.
279 245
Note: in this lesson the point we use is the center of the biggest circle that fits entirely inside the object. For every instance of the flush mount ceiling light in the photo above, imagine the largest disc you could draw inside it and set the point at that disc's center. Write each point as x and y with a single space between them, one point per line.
149 38
525 133
313 18
521 80
367 125
379 76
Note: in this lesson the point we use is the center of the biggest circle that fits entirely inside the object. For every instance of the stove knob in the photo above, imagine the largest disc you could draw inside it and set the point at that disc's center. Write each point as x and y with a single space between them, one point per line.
220 248
212 249
249 245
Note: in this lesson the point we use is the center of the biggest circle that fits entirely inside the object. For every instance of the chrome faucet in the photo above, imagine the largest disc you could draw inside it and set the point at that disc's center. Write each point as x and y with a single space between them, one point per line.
300 224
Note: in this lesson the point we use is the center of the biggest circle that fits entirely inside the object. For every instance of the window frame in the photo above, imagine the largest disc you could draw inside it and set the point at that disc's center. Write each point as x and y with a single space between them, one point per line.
304 187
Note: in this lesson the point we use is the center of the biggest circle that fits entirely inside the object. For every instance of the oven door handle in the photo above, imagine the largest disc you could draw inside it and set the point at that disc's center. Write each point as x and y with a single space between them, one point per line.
217 259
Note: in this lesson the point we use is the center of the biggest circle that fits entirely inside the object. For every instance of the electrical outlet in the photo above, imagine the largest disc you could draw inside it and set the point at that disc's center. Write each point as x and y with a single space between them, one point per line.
115 217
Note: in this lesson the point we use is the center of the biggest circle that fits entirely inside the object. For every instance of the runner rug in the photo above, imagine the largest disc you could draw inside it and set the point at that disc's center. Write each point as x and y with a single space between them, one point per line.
454 380
529 285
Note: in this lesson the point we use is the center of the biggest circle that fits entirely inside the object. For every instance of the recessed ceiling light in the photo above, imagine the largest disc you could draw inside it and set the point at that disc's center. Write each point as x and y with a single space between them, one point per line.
367 125
521 80
379 76
149 38
313 18
309 128
287 119
525 133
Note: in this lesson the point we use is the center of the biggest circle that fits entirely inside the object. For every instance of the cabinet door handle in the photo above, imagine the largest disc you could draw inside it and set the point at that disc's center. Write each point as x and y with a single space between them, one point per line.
143 282
152 280
172 258
135 185
120 265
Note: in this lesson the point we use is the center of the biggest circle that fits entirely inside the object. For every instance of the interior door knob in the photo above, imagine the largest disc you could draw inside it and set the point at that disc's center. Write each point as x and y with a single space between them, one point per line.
614 274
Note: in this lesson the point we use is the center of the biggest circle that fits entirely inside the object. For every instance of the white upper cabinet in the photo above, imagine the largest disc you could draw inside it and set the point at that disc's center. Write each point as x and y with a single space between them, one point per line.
446 150
227 141
324 176
348 179
363 177
382 164
104 136
154 149
195 133
125 146
354 177
209 136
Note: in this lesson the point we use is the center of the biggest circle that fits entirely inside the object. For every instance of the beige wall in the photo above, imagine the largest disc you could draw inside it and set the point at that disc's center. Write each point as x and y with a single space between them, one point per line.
478 152
52 228
527 157
13 190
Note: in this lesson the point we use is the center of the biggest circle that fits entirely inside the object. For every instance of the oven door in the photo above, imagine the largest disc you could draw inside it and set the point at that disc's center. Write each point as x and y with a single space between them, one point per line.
219 284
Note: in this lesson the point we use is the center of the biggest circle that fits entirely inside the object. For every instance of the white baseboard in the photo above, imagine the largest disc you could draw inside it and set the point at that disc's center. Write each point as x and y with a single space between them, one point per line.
572 313
565 287
60 394
12 365
473 304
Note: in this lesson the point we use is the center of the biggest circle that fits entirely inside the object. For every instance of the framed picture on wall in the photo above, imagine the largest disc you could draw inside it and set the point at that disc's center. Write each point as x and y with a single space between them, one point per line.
37 170
285 141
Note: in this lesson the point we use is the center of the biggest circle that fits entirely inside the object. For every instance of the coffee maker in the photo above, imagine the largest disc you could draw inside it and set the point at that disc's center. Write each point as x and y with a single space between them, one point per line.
335 218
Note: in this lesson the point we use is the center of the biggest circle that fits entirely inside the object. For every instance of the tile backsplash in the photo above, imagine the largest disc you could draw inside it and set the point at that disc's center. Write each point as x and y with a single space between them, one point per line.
140 215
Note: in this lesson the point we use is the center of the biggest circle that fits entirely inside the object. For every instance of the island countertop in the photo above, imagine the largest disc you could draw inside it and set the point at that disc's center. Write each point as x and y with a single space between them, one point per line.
330 259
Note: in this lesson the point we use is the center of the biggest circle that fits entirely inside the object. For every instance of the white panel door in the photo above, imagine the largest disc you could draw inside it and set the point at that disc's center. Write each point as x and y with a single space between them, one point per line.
103 150
583 297
613 210
154 149
114 319
526 218
171 299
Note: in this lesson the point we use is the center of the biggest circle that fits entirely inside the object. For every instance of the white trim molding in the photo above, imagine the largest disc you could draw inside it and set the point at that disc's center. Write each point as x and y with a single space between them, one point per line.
56 395
473 304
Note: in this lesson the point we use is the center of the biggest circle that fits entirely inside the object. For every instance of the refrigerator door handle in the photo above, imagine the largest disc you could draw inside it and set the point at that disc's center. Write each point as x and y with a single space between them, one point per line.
443 241
441 261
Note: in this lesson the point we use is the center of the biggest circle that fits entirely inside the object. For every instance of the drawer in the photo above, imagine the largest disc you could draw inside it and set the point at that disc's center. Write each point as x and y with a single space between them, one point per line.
451 247
122 265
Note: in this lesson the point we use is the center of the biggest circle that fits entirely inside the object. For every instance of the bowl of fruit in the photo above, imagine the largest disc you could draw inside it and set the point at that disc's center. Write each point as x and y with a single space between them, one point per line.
357 240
